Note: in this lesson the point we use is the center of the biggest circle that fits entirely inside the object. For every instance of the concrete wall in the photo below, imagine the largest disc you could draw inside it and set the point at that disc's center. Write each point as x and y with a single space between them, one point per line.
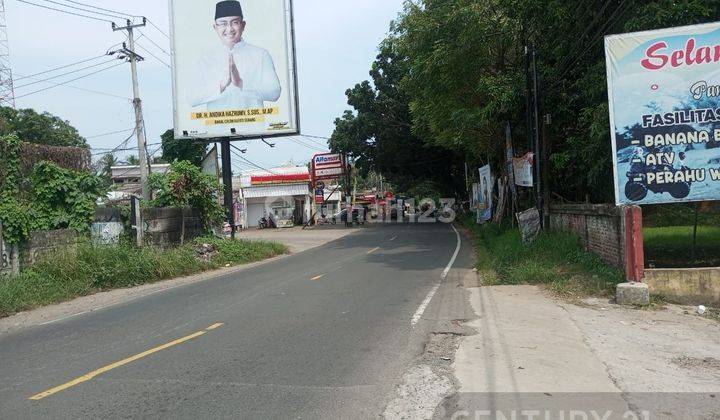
5 255
108 227
691 286
41 243
163 226
601 228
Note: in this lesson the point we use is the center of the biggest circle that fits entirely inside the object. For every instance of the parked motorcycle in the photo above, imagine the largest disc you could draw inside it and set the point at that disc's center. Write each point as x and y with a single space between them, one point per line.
266 223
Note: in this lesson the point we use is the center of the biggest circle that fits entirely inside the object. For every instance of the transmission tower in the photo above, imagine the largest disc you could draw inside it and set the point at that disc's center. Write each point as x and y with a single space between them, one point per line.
7 93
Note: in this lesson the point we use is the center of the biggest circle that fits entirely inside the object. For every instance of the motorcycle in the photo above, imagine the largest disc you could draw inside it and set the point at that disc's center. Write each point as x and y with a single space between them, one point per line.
636 189
266 223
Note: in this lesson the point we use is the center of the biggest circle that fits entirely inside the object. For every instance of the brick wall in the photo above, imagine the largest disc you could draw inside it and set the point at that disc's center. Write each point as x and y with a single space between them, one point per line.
601 228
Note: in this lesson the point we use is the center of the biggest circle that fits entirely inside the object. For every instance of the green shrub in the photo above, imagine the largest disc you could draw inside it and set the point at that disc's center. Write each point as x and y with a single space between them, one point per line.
89 268
555 258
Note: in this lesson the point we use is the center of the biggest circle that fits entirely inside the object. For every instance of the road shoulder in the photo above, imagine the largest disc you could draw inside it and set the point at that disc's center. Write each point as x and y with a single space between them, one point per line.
102 300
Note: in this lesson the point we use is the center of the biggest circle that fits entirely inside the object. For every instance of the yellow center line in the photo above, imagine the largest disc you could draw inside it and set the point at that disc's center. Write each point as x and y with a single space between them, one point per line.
318 277
89 376
214 326
373 250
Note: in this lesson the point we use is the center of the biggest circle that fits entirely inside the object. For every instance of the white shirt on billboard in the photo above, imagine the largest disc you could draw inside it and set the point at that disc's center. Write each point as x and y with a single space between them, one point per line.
257 71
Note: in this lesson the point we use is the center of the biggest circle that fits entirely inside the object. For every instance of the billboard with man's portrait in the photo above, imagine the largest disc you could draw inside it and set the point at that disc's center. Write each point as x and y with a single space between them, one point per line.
664 91
234 72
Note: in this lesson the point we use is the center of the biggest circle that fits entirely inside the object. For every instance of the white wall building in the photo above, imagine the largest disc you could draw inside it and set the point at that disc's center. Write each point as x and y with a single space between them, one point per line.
281 192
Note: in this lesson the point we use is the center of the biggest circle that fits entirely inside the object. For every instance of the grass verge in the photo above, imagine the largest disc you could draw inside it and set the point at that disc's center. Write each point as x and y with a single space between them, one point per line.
555 259
88 269
671 246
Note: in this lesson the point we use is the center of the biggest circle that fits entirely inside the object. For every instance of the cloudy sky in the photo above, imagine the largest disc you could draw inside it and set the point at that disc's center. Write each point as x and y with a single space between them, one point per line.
336 44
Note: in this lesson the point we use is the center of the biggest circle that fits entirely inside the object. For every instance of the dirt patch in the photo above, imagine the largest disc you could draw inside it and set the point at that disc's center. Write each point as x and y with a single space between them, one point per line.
694 363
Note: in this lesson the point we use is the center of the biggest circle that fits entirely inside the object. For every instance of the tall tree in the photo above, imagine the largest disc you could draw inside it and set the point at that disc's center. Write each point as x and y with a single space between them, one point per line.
458 66
104 168
43 128
179 150
378 135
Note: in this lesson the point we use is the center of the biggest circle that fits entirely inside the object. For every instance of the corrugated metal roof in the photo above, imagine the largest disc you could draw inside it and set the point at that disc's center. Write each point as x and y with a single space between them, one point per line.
276 190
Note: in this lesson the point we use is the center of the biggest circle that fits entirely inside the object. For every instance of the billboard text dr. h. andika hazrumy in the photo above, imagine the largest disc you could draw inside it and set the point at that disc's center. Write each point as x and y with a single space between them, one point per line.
234 68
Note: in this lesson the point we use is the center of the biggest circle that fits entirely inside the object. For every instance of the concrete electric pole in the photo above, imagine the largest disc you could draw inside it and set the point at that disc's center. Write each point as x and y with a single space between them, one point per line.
128 52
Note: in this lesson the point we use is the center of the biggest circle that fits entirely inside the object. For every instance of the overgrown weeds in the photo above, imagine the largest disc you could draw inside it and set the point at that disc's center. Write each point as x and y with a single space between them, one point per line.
555 259
90 268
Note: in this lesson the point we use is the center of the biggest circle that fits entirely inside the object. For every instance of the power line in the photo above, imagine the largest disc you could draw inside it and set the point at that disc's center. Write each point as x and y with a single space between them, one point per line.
108 134
71 80
100 8
84 10
60 68
102 151
315 137
239 155
87 90
121 13
154 43
64 74
598 35
65 11
298 141
119 146
153 55
312 139
158 29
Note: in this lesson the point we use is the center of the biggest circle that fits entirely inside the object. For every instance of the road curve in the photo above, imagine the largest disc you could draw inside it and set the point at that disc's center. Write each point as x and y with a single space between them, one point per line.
324 333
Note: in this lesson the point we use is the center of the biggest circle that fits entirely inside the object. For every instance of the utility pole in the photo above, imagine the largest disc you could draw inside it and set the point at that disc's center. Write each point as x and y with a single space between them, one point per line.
128 52
536 138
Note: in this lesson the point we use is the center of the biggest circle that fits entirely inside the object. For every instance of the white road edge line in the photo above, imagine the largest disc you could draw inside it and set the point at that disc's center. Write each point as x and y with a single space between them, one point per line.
455 255
64 318
421 309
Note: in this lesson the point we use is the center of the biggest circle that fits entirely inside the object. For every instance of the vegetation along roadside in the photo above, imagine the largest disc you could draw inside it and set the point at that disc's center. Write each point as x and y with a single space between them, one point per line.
89 269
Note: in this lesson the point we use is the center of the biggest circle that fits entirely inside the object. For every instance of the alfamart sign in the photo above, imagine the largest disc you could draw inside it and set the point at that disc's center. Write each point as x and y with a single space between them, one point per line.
327 166
664 98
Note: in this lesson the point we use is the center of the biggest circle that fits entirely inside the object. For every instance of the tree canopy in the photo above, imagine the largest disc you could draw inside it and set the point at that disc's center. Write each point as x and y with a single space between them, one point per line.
451 75
182 150
43 128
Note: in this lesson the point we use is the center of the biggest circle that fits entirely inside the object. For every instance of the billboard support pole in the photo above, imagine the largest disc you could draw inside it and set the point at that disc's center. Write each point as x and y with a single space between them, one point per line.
227 184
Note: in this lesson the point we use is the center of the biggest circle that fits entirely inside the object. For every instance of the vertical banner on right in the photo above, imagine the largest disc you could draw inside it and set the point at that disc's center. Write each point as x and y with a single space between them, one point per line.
664 99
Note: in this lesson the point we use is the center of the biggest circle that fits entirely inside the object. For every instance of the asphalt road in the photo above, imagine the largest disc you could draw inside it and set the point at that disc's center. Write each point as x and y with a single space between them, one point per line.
326 333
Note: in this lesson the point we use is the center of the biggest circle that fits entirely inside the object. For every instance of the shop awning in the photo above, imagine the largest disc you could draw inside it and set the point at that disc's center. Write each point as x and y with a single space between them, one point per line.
276 191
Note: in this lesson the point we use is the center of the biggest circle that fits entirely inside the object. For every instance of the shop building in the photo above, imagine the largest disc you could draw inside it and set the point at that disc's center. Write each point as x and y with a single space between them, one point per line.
281 193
